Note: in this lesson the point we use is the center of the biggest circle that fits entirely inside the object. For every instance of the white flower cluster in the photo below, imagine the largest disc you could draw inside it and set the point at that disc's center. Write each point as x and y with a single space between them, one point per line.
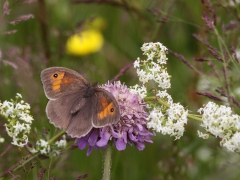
153 68
170 122
19 120
171 117
221 122
44 148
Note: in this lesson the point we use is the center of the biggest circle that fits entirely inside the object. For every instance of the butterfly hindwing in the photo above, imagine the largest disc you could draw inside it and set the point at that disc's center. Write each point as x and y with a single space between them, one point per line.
59 110
106 110
81 122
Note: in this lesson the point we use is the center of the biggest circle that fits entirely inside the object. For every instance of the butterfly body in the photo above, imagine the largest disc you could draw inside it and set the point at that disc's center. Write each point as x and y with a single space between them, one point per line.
75 105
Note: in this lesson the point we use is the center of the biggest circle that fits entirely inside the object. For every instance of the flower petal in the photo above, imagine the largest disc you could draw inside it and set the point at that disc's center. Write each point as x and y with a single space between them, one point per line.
140 146
82 142
104 140
93 137
89 150
132 137
120 144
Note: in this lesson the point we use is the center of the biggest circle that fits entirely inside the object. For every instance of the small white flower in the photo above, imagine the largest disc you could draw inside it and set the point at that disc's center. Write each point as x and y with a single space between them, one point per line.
18 128
140 90
164 95
19 95
203 135
19 106
20 142
25 117
15 141
43 151
27 106
43 147
61 143
136 63
42 143
2 139
33 150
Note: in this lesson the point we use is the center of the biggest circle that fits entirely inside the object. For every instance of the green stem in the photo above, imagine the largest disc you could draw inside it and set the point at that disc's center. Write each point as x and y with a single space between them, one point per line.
32 156
35 155
17 166
153 98
107 163
195 117
56 137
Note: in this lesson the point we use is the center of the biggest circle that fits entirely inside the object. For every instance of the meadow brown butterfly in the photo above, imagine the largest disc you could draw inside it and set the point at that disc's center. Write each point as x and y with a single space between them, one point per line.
75 105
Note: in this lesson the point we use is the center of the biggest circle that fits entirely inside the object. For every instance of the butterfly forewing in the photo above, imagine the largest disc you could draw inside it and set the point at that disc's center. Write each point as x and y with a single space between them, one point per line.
58 81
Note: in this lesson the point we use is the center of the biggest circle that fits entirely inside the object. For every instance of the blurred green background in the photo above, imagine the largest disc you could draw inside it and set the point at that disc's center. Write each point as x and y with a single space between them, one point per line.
40 42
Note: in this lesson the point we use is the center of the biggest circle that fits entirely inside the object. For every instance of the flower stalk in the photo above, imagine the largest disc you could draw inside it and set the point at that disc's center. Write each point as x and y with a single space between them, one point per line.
107 163
30 157
51 141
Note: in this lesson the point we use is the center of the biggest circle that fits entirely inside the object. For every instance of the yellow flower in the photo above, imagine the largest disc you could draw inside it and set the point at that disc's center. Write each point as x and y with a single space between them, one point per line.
89 40
86 42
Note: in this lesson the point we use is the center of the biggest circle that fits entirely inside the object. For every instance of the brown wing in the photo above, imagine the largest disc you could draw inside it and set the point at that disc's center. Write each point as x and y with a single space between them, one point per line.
106 109
59 81
81 122
59 110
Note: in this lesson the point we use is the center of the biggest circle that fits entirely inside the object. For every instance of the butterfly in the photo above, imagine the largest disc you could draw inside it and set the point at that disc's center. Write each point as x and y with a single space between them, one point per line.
75 105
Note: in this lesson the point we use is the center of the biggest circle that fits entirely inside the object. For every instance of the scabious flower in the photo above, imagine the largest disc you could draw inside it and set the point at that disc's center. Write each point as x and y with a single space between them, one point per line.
19 120
131 129
222 123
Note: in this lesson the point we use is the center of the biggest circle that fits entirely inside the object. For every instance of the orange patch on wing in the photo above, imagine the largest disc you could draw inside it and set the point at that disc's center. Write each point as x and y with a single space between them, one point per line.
57 81
67 80
107 110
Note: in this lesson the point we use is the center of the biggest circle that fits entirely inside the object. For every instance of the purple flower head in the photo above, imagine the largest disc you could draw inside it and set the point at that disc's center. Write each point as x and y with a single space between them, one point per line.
131 129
